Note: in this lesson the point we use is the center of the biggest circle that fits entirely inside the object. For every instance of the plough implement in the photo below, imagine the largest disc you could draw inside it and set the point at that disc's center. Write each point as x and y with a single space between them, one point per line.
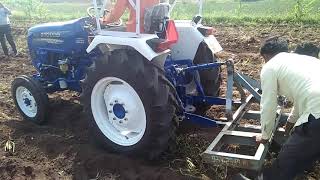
235 131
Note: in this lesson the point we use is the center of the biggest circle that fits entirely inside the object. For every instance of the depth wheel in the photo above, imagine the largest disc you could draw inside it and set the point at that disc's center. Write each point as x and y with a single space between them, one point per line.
30 98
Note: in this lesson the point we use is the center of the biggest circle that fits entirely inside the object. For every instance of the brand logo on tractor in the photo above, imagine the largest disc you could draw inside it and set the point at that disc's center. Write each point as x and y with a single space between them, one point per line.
80 41
53 34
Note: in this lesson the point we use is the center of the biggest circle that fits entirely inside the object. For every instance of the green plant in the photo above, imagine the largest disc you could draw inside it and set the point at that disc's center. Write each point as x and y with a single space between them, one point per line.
9 3
32 8
302 8
239 8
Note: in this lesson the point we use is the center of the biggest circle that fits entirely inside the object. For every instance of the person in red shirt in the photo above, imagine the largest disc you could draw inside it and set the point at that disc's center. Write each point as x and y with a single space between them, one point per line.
121 6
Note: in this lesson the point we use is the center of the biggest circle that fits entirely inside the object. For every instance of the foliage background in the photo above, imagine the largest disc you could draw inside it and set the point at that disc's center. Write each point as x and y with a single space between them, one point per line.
215 11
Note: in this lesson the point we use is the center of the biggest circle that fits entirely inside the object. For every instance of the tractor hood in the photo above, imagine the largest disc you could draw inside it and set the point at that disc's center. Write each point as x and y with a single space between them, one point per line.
69 37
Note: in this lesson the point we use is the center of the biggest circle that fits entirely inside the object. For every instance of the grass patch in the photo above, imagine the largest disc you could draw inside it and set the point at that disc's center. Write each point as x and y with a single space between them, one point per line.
215 11
260 12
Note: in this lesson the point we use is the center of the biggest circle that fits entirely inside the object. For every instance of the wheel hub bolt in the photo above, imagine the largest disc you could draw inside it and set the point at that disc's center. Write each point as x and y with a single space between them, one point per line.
126 111
116 101
126 119
114 118
110 111
111 104
120 122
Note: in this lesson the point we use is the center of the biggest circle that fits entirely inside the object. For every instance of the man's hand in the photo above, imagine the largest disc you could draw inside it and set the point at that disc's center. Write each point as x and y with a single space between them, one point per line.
260 140
101 20
288 127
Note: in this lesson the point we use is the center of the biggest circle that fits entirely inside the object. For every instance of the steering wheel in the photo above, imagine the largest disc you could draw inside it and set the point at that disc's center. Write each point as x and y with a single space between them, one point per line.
91 13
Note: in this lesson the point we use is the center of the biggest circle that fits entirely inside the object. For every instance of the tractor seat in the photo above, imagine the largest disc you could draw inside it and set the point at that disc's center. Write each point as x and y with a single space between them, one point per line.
155 18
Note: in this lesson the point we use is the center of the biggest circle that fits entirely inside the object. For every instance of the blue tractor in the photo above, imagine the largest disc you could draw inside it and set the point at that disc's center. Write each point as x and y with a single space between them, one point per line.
124 90
135 87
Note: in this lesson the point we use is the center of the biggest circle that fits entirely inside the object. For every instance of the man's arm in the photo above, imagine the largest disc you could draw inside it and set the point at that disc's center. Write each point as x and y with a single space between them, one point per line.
293 117
117 11
268 102
7 10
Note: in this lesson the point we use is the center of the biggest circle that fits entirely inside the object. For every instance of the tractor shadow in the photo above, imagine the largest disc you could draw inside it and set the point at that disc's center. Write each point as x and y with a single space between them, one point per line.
64 142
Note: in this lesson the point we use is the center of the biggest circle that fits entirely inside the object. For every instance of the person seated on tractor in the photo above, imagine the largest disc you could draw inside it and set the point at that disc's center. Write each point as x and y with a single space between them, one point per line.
119 9
297 78
308 49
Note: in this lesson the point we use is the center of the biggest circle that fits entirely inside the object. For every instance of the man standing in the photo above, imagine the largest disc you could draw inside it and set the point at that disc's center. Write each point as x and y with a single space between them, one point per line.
5 31
297 78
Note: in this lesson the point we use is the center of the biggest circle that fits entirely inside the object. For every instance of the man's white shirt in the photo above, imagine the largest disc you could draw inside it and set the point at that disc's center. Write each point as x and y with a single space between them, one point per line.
297 77
4 16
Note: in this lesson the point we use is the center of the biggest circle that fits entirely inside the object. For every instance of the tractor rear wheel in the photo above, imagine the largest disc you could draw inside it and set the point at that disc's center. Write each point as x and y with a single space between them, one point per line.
130 104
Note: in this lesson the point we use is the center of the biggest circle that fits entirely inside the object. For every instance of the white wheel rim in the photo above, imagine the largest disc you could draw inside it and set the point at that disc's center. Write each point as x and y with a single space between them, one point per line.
26 102
118 111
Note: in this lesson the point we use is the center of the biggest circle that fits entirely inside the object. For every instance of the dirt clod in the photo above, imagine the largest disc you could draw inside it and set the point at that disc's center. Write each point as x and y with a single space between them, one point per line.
28 170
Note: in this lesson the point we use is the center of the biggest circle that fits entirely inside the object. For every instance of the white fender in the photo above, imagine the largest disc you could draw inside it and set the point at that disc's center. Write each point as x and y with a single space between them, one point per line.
189 40
115 40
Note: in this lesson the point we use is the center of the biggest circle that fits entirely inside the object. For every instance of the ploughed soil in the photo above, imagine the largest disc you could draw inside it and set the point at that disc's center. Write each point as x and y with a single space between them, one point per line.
61 149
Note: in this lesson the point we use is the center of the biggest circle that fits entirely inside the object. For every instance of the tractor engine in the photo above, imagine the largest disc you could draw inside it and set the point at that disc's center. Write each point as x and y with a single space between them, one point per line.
58 52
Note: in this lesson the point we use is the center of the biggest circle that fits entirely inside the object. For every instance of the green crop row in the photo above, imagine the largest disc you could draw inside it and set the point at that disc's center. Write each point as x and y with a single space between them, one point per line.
215 11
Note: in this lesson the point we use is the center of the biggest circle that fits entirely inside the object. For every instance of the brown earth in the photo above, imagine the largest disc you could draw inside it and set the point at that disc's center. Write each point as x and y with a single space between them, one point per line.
61 149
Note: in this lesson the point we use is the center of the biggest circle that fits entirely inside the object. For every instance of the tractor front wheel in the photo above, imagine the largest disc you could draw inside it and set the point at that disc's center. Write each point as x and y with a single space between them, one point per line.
130 104
30 98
